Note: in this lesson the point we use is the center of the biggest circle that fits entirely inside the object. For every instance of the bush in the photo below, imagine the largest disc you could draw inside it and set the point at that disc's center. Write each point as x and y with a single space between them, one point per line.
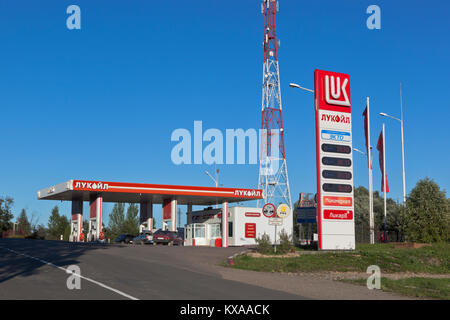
427 213
285 242
264 246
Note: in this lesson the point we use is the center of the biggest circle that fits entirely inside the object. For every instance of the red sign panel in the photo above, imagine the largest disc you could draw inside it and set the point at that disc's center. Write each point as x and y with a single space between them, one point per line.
252 214
337 201
333 91
338 214
250 230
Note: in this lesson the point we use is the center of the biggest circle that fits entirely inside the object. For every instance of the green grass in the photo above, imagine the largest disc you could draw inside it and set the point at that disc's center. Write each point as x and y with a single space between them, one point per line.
414 287
434 259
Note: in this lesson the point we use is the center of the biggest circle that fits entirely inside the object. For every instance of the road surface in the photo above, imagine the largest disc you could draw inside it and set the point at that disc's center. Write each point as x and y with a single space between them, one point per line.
36 269
29 270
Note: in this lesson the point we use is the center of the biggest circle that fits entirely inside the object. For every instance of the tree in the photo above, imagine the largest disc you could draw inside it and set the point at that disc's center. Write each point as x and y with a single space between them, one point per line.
5 213
131 224
116 220
53 223
362 216
426 218
24 225
58 225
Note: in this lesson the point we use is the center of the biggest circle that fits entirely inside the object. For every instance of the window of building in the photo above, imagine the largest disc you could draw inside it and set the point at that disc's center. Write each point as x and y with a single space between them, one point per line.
199 230
215 230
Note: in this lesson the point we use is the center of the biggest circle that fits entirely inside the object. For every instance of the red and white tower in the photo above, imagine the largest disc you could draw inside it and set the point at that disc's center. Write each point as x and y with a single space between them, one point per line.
273 175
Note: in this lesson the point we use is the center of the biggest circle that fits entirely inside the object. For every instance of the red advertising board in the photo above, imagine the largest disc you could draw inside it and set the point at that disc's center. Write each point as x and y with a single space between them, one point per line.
338 214
337 201
250 230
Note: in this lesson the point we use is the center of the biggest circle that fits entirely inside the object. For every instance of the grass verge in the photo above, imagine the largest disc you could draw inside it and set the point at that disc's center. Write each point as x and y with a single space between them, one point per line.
434 259
413 287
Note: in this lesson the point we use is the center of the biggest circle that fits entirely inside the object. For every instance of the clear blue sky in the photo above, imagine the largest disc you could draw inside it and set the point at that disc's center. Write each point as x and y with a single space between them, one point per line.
100 103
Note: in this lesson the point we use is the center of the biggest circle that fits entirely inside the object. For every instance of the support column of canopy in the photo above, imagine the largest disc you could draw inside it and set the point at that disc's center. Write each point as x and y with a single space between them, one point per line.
173 213
170 213
188 232
146 215
76 222
224 224
95 218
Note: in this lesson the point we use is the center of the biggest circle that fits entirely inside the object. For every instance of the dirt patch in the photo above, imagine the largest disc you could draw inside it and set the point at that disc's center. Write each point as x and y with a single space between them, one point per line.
334 275
413 245
260 255
434 262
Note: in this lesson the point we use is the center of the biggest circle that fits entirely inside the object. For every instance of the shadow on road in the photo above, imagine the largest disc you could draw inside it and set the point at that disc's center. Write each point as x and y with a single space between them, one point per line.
60 253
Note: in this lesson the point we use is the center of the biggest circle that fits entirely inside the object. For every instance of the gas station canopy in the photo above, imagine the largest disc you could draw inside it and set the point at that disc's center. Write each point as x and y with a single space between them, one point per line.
141 192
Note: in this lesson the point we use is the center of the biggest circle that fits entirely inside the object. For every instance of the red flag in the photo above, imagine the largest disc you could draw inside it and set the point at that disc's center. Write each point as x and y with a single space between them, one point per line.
366 134
380 148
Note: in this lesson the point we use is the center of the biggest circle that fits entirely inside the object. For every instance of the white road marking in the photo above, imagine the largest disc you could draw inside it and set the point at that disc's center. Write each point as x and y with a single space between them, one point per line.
82 277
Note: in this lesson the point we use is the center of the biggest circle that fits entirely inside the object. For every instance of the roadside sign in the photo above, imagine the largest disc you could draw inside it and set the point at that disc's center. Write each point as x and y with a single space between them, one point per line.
269 210
306 214
276 221
283 210
334 158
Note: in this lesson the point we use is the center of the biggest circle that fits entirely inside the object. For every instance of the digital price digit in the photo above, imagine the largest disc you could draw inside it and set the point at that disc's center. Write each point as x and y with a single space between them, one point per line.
331 174
339 162
332 187
336 148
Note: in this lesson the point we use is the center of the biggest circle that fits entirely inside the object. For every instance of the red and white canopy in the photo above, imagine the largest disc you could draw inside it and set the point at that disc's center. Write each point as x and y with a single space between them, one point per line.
139 192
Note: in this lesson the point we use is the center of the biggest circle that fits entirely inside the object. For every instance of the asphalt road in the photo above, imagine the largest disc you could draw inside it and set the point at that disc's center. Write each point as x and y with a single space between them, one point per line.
33 269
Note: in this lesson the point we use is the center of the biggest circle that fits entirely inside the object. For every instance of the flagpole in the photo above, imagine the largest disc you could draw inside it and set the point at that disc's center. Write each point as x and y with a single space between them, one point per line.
384 180
369 155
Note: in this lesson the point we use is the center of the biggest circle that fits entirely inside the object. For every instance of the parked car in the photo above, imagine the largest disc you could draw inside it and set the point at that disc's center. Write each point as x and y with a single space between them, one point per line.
143 238
167 237
124 238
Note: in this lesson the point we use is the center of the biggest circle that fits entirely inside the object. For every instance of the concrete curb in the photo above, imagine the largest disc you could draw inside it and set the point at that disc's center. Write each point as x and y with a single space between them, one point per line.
230 259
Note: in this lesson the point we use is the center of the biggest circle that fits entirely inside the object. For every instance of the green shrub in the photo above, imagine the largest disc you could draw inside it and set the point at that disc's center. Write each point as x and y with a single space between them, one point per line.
264 246
285 243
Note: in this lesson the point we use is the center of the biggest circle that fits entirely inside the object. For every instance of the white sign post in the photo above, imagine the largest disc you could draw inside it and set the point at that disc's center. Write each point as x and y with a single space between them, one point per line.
275 222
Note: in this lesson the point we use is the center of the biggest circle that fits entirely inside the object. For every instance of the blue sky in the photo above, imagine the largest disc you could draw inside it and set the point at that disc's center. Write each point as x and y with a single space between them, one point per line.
101 103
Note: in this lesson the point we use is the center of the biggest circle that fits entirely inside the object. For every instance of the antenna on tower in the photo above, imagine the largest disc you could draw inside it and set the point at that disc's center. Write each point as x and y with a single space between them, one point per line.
273 175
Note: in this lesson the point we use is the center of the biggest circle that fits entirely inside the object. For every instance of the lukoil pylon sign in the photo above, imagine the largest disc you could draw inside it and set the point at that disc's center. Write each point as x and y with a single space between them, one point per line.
336 227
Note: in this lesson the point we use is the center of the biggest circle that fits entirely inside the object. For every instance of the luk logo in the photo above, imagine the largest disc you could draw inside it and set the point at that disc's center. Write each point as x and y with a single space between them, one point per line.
336 91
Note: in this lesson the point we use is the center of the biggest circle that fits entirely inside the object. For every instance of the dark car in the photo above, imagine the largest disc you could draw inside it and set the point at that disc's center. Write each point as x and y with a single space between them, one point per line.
167 237
124 238
143 238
